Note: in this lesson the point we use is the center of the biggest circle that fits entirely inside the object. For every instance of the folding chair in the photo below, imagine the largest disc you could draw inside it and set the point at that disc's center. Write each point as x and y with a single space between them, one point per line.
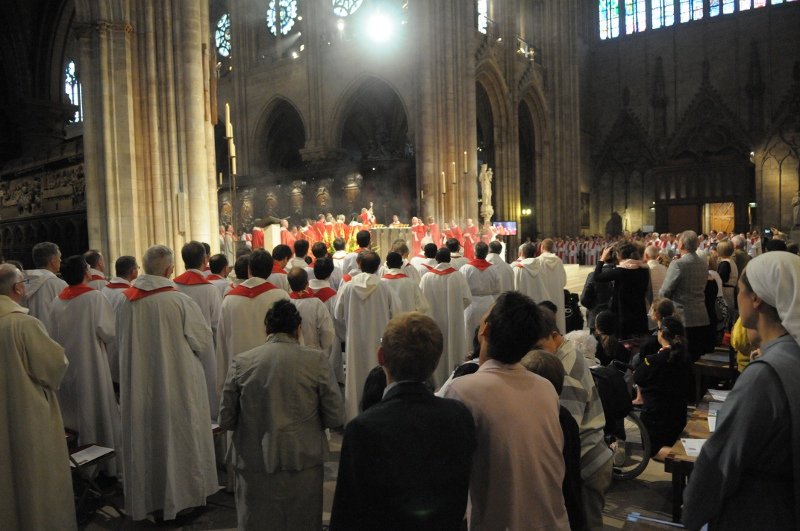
83 461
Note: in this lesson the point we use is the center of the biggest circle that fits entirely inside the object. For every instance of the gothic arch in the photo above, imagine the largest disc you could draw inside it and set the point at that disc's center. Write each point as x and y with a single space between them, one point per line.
534 103
489 77
368 85
280 134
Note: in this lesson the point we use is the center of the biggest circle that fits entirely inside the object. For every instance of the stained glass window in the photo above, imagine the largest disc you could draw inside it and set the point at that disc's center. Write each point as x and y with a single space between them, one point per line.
609 19
281 16
483 15
222 36
728 6
635 16
343 8
72 86
663 13
691 10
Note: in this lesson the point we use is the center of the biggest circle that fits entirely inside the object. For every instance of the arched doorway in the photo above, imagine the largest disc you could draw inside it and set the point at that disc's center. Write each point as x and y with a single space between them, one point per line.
375 137
527 170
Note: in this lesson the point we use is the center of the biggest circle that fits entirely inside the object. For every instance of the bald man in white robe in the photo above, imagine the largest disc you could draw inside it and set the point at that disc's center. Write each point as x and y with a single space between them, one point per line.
364 306
166 349
448 294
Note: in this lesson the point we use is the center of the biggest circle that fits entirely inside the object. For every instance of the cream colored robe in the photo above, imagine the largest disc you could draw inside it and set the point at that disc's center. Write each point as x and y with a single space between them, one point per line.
35 483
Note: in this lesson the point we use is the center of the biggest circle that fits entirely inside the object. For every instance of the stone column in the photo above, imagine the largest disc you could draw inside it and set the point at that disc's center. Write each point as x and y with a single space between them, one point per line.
445 128
148 143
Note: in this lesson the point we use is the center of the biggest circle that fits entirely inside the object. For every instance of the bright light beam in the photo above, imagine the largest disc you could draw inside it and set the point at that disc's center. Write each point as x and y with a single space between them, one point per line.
380 28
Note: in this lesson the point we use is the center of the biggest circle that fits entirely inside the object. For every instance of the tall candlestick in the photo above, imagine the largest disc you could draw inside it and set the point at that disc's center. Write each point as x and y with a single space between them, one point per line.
227 117
232 150
465 162
444 184
454 173
233 165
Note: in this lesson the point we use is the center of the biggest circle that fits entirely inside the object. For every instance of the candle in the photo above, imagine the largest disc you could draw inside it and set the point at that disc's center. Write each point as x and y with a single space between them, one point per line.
220 178
232 150
233 165
444 184
454 173
227 116
465 162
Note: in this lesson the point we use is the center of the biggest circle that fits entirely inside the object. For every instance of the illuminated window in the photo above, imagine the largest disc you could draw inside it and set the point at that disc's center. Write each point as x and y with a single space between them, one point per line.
691 10
483 16
713 8
343 8
72 86
609 19
635 16
222 36
663 13
281 16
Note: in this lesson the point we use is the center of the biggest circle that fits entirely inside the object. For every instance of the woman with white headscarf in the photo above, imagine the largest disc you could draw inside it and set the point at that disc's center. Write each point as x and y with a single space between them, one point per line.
748 473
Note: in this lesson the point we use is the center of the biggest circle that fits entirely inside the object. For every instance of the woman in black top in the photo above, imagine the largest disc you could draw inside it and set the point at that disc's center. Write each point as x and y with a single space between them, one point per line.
664 378
631 279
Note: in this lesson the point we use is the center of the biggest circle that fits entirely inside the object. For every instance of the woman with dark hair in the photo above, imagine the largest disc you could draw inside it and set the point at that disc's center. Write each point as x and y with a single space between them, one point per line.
608 346
631 279
664 379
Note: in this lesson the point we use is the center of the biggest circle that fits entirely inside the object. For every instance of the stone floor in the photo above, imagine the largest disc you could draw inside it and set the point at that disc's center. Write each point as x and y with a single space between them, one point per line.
649 494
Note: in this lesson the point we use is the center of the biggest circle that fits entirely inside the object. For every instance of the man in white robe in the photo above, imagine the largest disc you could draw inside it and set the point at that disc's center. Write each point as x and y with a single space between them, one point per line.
218 273
83 323
320 250
405 289
166 352
195 284
35 479
241 323
505 273
301 248
43 284
126 270
429 262
448 294
457 261
554 279
364 306
321 288
363 241
281 255
401 247
317 328
527 274
484 286
339 254
97 271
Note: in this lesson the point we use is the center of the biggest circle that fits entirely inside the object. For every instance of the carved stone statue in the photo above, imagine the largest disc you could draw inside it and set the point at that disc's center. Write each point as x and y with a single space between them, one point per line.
796 209
485 179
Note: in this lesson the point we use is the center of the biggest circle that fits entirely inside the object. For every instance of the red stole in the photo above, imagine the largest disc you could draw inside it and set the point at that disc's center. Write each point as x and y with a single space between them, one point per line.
346 278
324 294
98 277
477 263
429 268
212 276
393 277
442 273
117 285
70 292
305 294
252 293
134 293
278 269
191 278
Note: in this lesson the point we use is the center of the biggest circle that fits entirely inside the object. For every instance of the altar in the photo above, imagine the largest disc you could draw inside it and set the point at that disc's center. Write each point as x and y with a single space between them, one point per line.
383 237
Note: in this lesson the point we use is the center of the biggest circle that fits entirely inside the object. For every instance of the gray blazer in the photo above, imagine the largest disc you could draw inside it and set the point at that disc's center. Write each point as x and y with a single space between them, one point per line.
685 284
278 399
